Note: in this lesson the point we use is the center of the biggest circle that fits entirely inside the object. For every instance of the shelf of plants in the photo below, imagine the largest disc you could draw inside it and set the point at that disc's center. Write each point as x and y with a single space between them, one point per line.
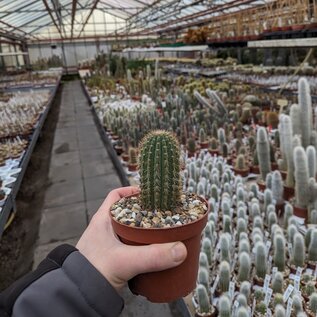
23 113
256 168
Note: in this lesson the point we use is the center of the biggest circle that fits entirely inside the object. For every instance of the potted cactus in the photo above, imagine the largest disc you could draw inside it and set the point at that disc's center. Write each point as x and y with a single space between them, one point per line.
214 148
203 141
162 213
204 308
240 166
133 161
191 147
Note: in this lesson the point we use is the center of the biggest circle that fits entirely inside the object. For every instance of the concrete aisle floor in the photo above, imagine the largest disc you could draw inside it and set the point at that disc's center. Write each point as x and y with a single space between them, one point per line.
81 175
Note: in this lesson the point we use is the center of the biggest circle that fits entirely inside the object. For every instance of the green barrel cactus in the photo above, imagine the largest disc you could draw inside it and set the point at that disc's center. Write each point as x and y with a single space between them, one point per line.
160 171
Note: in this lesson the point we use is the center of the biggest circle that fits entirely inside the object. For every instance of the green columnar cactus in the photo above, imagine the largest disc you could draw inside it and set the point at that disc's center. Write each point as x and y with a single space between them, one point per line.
311 160
313 303
207 249
255 210
308 236
202 136
312 249
313 217
241 226
242 312
258 222
288 212
299 250
245 289
291 231
279 311
225 150
272 219
240 163
204 306
157 73
301 177
242 300
133 156
224 276
203 277
254 188
268 181
277 187
277 283
306 120
209 230
160 171
260 260
191 145
226 220
224 306
297 304
279 252
224 248
203 260
268 198
244 267
295 119
221 136
243 236
263 150
244 246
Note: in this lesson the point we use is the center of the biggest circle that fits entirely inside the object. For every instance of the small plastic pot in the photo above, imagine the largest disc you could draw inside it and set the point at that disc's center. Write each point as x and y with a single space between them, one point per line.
168 285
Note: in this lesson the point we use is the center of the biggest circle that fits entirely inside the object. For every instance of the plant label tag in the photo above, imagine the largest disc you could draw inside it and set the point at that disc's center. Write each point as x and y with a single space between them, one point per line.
289 307
231 290
215 284
266 282
274 270
268 312
268 246
309 271
270 262
299 271
292 276
296 283
235 307
194 303
315 273
163 104
288 292
249 311
268 296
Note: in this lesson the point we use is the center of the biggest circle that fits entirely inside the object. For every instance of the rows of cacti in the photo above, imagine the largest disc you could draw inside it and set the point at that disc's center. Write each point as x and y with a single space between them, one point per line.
244 244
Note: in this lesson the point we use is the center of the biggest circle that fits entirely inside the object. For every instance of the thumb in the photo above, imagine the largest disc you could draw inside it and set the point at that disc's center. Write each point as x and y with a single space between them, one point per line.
151 258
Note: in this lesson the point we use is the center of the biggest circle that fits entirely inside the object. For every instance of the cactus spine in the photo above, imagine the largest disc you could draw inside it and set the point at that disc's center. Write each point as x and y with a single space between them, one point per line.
160 171
263 150
301 177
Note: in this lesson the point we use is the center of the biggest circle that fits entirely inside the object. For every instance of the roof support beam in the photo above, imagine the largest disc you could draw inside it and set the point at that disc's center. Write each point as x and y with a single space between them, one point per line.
74 5
88 17
51 15
16 28
19 9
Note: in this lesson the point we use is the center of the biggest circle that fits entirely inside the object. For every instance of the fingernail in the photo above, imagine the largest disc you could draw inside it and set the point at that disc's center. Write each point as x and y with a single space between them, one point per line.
178 252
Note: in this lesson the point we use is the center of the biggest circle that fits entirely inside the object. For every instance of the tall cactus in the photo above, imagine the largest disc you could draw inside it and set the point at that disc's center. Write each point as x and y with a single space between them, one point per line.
295 118
299 250
279 252
286 133
304 100
301 177
160 171
224 306
263 150
204 306
224 276
312 249
260 260
244 267
277 187
311 160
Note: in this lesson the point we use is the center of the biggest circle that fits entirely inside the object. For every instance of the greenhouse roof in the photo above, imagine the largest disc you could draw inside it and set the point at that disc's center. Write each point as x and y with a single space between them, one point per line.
52 19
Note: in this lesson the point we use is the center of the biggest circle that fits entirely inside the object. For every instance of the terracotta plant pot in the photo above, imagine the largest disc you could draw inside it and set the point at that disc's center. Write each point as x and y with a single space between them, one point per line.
132 167
301 212
204 145
125 157
213 313
191 154
262 185
243 173
171 284
284 175
288 192
119 149
255 169
213 152
274 166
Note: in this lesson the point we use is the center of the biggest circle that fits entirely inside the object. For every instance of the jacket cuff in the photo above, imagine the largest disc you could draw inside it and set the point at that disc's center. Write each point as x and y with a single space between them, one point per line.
94 287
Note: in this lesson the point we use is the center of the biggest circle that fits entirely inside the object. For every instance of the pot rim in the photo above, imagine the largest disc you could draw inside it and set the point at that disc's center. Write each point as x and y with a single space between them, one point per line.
165 228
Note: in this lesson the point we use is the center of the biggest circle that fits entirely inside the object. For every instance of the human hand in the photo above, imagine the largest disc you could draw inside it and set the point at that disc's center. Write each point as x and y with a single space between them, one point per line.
116 261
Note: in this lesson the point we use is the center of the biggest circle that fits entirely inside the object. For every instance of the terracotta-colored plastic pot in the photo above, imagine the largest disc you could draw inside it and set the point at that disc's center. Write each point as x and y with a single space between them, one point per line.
191 154
213 152
301 212
284 174
274 166
288 192
213 313
243 173
132 167
255 169
125 157
262 185
119 149
204 145
171 284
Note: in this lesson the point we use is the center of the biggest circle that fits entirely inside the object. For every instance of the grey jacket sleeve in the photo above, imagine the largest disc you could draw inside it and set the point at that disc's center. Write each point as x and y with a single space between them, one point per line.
65 284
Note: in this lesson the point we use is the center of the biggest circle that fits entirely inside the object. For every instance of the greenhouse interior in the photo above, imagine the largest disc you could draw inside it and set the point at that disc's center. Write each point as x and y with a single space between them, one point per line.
127 126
